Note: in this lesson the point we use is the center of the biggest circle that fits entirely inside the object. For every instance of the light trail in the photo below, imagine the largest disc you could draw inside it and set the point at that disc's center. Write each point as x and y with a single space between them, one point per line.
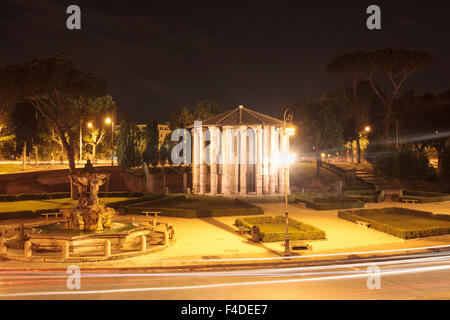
221 285
262 272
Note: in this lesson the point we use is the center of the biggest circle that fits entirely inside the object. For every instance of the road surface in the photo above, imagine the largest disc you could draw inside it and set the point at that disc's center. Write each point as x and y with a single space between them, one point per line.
416 276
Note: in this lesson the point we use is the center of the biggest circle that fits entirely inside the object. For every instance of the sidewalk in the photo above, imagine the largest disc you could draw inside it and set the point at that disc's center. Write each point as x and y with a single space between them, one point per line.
203 242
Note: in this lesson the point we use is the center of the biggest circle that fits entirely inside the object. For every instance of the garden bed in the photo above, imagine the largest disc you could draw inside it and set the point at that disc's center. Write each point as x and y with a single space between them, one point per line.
401 222
331 203
365 195
30 209
423 197
191 207
274 228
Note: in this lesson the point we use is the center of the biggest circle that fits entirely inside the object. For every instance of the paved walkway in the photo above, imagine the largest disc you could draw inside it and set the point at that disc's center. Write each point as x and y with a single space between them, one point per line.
217 238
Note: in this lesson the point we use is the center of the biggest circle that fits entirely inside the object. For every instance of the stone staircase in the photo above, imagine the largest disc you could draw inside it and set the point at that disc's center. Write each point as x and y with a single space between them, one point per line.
380 182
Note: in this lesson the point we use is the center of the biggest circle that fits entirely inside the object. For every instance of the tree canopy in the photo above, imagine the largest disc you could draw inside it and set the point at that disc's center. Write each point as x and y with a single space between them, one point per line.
52 85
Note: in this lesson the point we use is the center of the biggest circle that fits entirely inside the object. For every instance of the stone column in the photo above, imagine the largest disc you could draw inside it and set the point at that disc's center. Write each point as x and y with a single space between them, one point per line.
235 155
243 159
195 163
226 160
202 181
273 166
212 159
266 155
259 160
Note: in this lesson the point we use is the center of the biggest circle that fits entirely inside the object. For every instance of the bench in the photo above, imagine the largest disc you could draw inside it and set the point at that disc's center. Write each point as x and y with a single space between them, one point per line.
155 213
54 214
242 230
300 245
409 201
363 224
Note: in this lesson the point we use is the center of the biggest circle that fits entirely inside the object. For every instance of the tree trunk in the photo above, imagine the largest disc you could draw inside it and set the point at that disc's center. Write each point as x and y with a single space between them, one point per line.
318 164
351 151
358 150
24 155
93 152
36 152
387 122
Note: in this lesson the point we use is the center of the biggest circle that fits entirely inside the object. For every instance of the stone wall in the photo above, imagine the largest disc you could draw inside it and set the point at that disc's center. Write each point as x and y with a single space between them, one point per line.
121 180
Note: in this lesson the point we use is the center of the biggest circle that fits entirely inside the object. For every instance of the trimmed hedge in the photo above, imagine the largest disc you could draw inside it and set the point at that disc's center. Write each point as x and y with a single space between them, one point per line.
366 195
62 195
361 215
163 205
297 230
150 197
30 214
423 197
331 203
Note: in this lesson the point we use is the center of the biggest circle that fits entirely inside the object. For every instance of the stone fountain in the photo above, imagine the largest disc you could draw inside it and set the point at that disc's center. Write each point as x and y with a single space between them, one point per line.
89 214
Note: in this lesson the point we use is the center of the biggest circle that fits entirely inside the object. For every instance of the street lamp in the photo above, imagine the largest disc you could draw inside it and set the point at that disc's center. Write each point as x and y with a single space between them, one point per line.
287 116
109 121
367 129
89 125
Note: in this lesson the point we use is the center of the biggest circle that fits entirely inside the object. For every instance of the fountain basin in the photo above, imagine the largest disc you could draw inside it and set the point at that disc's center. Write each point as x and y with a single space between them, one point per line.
122 236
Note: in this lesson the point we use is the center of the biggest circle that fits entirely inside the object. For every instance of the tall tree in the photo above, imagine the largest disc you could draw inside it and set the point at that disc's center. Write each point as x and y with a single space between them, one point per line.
424 120
181 119
206 109
127 147
151 152
393 66
51 84
97 110
319 127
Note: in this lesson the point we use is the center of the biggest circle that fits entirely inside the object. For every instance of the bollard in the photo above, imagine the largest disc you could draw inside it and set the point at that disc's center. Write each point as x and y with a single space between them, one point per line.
21 230
27 249
2 246
143 243
166 238
154 224
107 248
65 250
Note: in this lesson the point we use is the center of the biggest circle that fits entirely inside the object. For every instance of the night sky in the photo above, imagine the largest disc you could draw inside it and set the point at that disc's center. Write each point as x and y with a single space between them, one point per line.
159 56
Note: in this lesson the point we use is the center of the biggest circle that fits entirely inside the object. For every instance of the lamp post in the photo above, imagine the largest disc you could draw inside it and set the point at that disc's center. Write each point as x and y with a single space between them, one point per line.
81 141
287 116
108 120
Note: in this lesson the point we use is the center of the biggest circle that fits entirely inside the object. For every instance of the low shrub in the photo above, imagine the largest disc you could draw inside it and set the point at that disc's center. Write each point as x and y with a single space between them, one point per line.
62 195
297 230
404 231
404 163
149 197
192 207
423 197
332 203
366 195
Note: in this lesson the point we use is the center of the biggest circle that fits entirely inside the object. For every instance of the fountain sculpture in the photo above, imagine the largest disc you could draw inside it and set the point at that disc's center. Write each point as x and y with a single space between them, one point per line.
89 214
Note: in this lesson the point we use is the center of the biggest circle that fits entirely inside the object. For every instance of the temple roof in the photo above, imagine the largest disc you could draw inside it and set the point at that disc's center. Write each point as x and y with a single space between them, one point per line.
241 116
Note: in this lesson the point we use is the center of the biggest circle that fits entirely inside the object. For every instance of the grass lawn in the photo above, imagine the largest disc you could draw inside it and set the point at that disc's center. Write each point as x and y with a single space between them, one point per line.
7 168
46 204
199 204
401 222
407 222
180 206
274 228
